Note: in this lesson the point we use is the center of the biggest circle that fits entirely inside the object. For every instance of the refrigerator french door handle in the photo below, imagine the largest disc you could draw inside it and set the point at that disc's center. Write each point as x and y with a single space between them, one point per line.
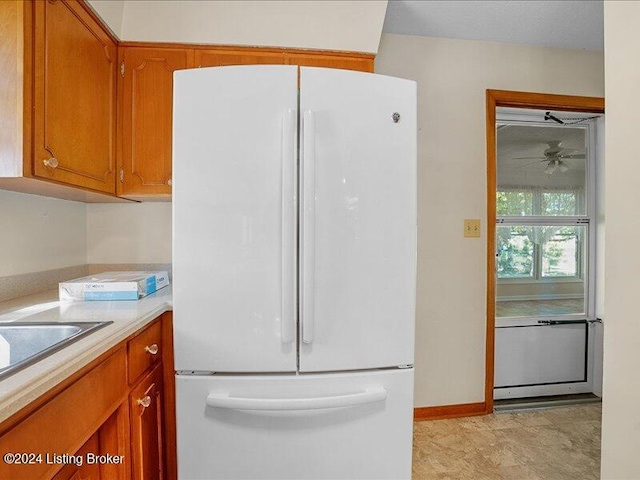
370 395
288 325
309 227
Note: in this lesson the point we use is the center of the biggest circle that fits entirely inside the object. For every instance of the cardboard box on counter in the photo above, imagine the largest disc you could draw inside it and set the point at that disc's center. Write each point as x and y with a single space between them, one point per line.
113 286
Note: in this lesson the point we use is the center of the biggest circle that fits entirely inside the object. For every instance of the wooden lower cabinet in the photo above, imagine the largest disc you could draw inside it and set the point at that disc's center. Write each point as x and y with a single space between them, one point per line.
147 427
97 425
83 470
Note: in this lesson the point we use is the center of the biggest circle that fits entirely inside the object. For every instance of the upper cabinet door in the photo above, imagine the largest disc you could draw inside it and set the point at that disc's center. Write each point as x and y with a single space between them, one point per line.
147 106
358 225
220 57
234 219
363 63
75 97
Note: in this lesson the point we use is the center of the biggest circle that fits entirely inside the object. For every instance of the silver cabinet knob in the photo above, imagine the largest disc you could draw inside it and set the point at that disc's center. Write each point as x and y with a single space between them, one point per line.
169 182
145 401
51 162
152 349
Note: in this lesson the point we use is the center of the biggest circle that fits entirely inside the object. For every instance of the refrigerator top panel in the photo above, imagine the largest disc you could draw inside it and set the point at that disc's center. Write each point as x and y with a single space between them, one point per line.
234 220
358 220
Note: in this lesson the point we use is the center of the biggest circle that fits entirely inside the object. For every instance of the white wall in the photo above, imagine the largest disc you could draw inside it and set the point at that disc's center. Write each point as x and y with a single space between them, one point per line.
452 78
111 12
621 389
125 233
40 233
326 25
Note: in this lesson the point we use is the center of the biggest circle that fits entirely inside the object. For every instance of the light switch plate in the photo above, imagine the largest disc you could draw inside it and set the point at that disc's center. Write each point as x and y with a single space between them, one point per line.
472 227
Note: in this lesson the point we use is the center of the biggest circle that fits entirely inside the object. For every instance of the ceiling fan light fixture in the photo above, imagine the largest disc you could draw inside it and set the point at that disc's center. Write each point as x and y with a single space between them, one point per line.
563 167
551 167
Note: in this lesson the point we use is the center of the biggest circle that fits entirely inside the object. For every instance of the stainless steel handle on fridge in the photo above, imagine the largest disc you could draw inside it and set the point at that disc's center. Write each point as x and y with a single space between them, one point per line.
309 227
287 325
370 395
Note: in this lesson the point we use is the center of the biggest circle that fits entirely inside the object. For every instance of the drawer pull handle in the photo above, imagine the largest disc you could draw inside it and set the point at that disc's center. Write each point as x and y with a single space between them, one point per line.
51 162
170 182
152 349
144 401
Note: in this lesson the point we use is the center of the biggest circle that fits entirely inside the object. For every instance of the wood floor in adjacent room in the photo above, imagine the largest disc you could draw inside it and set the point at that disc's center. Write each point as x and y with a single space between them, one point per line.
553 444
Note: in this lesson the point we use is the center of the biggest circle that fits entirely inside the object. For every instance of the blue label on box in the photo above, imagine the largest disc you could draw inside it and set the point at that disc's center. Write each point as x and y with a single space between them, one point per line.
151 284
111 295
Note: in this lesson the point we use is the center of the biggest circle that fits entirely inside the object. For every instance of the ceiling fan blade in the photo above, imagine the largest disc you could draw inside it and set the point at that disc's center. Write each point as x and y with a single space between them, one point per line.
528 158
532 163
577 155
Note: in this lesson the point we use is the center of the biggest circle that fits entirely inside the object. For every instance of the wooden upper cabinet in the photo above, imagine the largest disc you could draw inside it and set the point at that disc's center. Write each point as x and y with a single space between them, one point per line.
74 97
218 58
363 63
147 111
146 103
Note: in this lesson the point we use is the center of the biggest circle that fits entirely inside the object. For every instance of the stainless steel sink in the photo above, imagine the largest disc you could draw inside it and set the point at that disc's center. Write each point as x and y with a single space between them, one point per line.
22 344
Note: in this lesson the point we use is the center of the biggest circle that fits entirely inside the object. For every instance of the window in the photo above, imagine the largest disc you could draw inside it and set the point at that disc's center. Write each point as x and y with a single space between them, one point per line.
539 252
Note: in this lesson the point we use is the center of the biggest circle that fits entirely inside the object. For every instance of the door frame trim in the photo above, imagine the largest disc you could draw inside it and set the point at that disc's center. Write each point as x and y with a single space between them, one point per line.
507 98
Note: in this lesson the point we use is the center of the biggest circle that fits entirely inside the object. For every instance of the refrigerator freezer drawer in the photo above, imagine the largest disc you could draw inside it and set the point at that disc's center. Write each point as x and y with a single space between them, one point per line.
317 426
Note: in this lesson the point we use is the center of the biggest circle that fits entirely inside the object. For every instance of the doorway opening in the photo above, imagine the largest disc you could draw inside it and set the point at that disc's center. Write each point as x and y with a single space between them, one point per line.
542 338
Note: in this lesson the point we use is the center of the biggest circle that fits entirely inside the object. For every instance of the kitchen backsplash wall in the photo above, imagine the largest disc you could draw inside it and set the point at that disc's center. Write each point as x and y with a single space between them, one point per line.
44 241
21 285
39 233
129 233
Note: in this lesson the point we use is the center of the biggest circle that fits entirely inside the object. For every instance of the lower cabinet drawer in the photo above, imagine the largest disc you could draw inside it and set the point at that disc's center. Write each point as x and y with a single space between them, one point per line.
144 350
63 424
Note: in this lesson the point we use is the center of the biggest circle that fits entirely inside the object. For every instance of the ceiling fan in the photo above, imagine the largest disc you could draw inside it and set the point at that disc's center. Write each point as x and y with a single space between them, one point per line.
554 156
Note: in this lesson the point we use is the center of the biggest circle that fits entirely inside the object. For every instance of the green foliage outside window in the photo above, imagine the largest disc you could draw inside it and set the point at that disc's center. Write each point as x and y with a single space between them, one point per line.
559 203
515 252
514 203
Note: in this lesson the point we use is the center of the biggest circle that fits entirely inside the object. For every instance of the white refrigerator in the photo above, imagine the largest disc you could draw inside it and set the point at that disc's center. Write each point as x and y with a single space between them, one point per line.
294 269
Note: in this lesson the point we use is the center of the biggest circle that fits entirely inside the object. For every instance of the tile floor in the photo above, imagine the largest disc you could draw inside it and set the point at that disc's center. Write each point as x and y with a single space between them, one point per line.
554 444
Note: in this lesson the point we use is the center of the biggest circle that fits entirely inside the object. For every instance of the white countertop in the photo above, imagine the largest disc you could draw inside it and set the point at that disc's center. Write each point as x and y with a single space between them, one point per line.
25 386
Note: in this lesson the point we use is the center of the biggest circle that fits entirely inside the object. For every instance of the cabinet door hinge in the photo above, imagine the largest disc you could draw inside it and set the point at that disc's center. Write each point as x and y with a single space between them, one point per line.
122 69
122 175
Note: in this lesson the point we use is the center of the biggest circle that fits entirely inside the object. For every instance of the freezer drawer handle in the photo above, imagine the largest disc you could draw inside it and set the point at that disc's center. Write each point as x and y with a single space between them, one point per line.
370 395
